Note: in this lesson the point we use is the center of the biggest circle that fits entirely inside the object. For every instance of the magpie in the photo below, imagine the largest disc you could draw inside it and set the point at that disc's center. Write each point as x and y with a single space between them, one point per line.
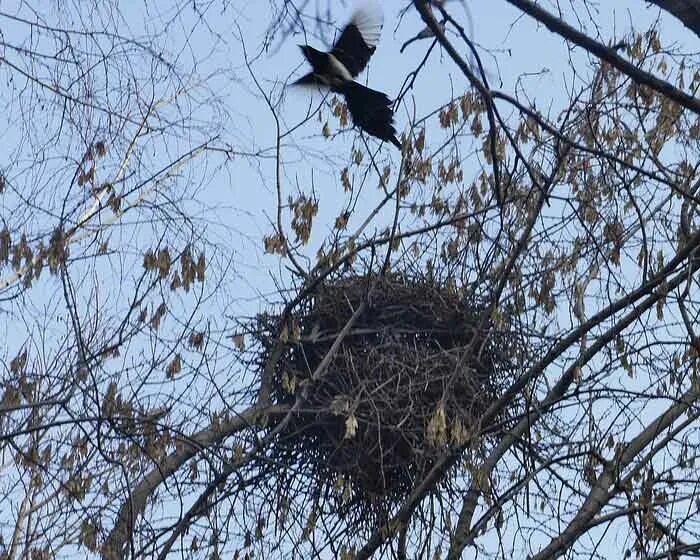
370 109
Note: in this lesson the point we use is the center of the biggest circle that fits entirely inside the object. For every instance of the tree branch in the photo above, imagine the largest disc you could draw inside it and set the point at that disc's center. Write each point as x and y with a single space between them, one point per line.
462 533
136 501
688 11
600 493
607 54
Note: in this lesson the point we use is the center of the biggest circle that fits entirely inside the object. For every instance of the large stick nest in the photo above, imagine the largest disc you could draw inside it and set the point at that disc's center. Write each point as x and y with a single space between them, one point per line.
408 382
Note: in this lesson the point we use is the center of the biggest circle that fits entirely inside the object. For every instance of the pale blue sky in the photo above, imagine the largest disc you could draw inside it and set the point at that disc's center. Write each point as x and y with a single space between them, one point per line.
235 201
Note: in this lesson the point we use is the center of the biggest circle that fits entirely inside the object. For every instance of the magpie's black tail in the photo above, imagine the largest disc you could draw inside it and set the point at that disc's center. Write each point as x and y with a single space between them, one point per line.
370 111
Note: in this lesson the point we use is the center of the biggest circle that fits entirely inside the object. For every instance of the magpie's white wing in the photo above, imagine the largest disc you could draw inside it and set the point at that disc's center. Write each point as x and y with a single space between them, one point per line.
369 19
359 39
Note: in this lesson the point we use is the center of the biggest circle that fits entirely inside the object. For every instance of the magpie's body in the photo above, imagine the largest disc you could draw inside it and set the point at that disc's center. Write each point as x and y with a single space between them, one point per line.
370 110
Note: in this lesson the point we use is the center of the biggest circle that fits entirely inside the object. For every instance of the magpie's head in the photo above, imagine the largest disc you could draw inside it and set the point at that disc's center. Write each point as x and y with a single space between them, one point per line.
317 59
306 49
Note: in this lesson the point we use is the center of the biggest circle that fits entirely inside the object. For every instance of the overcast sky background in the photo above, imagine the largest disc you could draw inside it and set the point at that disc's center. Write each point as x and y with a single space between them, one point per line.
518 53
235 201
520 56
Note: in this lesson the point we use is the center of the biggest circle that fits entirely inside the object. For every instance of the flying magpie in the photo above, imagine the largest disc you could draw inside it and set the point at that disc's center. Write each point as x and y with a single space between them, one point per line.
370 110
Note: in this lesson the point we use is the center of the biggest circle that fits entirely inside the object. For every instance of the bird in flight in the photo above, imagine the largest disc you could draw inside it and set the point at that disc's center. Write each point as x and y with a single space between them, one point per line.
370 109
